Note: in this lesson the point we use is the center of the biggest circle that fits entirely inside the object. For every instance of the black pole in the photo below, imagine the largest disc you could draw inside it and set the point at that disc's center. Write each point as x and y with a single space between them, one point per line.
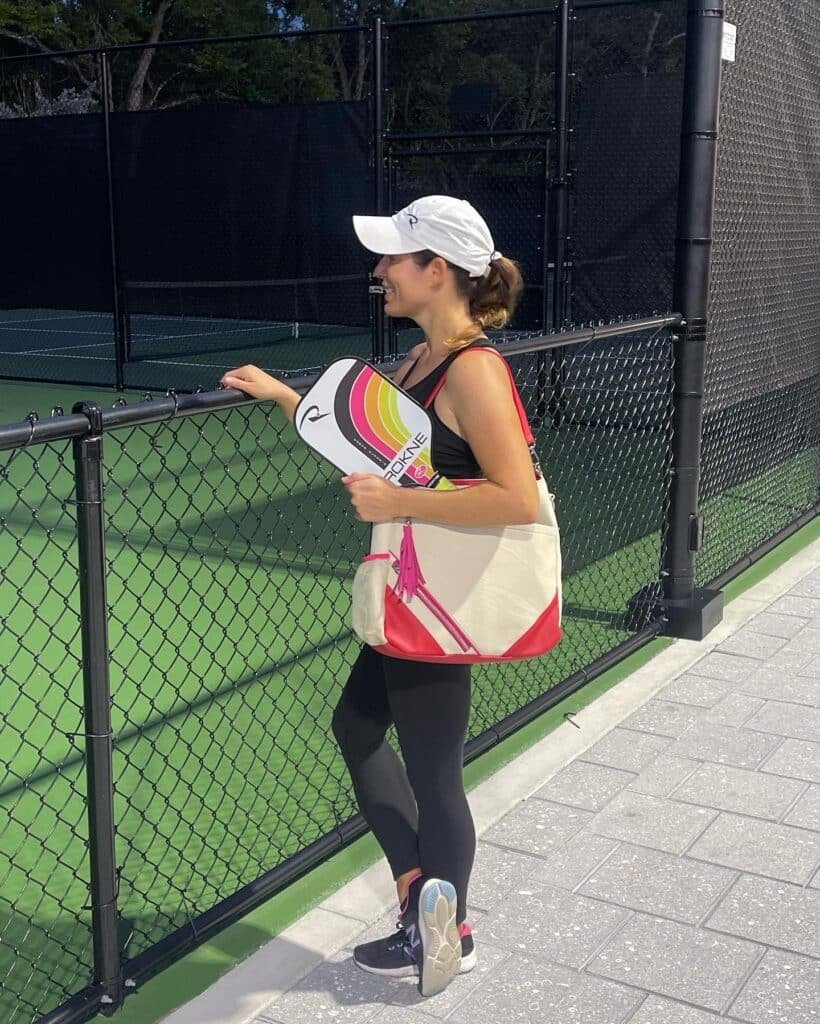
559 196
692 612
559 189
88 457
119 334
392 329
541 361
378 169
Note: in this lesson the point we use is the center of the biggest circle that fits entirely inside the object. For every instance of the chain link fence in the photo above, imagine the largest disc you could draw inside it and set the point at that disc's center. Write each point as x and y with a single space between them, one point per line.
45 943
761 461
213 182
229 551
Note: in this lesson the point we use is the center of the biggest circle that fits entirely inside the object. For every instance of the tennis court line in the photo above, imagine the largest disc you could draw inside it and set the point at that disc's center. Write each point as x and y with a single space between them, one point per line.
66 353
61 354
57 330
209 334
43 319
63 348
197 366
206 319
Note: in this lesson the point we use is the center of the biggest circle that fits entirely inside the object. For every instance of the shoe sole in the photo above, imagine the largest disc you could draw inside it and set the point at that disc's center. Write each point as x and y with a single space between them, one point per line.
468 963
441 943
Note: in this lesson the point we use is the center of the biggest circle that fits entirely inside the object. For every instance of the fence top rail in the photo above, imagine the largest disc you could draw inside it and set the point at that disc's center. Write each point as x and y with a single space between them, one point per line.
525 12
484 133
63 427
323 31
453 19
170 43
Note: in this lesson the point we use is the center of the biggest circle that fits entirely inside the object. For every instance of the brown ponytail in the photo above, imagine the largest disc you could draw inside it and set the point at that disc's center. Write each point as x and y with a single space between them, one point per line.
492 299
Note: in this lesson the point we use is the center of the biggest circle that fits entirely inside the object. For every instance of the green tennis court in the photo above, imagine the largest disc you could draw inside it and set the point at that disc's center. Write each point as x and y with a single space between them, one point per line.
230 556
70 343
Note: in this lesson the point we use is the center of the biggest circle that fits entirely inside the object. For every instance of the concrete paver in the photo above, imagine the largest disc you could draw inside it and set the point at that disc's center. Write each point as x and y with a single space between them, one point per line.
664 870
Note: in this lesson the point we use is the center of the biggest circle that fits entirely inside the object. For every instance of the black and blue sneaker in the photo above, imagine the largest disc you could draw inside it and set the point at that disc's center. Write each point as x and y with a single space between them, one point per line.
426 943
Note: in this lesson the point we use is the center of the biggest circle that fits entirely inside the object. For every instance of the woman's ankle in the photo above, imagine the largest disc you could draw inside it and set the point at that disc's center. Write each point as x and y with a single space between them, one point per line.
403 883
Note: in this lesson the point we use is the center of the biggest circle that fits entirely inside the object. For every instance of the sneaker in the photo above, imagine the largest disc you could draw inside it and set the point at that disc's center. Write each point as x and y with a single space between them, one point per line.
429 920
427 942
468 957
394 958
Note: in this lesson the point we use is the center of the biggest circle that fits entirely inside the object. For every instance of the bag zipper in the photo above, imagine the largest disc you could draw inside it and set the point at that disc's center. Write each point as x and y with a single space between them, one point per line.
432 604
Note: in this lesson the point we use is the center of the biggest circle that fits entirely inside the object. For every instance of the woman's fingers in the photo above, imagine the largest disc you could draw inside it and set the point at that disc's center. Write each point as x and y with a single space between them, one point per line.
249 379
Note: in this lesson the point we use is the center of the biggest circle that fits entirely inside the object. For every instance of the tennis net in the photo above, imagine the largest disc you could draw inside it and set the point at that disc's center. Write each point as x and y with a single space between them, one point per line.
168 319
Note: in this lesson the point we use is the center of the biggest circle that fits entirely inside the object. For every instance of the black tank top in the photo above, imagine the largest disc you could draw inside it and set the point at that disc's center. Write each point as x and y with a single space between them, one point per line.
452 456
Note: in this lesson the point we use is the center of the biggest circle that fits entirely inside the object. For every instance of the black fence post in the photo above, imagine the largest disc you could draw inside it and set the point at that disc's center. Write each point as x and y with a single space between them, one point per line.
119 336
88 458
691 612
378 169
559 196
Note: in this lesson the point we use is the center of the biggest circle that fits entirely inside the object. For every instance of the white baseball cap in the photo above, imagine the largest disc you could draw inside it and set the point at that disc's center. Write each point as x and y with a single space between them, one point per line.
447 226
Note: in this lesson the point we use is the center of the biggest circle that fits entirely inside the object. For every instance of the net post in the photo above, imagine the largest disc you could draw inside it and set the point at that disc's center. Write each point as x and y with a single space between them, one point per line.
120 355
88 462
692 612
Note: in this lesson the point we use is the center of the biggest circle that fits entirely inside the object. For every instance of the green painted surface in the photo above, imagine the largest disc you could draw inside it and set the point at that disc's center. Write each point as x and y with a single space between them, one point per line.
230 554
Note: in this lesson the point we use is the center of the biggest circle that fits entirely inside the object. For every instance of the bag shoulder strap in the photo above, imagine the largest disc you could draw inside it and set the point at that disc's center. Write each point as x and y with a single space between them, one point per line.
519 405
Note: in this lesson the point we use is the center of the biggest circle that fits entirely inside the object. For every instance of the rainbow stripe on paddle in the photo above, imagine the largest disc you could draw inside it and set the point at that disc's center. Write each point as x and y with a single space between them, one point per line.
369 404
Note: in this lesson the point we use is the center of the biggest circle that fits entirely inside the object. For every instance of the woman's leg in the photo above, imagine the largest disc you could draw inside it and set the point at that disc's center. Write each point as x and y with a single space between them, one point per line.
430 705
360 723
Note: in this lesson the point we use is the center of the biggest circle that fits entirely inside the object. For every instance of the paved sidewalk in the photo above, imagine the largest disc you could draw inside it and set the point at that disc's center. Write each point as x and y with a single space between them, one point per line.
664 873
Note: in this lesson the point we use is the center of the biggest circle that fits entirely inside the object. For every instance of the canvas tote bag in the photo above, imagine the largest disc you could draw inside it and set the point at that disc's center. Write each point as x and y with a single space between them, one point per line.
437 593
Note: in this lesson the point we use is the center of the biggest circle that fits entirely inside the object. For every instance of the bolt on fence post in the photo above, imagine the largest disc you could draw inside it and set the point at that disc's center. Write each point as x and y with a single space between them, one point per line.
88 459
692 612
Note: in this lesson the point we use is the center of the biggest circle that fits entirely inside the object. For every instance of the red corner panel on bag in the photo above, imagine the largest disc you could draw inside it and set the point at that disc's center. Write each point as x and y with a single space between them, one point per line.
525 423
541 637
404 632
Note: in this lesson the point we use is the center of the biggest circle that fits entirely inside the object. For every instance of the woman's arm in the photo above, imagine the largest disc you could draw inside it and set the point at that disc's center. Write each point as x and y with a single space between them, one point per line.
259 384
478 389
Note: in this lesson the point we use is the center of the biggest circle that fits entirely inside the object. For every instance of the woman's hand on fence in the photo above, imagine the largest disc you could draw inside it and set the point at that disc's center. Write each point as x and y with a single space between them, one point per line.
258 384
374 499
254 382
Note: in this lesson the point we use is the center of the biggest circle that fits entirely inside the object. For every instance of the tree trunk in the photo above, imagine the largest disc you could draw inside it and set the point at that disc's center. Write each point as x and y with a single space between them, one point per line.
341 71
363 62
137 86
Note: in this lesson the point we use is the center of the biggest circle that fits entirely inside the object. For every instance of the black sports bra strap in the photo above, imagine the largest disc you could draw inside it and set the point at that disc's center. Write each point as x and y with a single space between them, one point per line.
443 366
400 383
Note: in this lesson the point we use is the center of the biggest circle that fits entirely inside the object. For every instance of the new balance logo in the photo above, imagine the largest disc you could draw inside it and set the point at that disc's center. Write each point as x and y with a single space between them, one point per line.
412 937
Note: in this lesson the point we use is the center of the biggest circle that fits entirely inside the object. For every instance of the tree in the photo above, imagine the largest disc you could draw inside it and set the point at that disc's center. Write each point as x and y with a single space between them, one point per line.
48 26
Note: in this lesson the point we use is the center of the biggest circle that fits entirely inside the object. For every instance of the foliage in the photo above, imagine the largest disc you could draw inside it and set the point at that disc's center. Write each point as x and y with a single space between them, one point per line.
474 75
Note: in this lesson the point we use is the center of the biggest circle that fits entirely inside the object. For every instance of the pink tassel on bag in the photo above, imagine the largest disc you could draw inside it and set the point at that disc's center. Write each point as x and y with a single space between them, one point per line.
410 574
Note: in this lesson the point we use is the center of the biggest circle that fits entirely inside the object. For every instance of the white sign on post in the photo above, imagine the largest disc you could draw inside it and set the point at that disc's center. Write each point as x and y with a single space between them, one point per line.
729 40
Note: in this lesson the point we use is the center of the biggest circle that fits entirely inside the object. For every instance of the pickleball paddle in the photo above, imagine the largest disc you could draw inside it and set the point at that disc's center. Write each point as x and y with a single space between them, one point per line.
360 421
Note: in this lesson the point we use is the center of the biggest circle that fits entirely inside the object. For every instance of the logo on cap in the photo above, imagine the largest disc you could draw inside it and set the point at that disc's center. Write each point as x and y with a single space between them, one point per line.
413 219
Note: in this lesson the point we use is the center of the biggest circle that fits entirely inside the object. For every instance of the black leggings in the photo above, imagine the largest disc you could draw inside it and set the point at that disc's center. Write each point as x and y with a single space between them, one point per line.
420 814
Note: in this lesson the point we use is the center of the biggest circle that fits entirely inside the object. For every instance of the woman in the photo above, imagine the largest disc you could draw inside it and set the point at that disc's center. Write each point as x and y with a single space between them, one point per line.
438 266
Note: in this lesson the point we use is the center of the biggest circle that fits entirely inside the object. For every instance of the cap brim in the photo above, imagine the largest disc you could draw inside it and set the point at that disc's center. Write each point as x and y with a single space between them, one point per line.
380 235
